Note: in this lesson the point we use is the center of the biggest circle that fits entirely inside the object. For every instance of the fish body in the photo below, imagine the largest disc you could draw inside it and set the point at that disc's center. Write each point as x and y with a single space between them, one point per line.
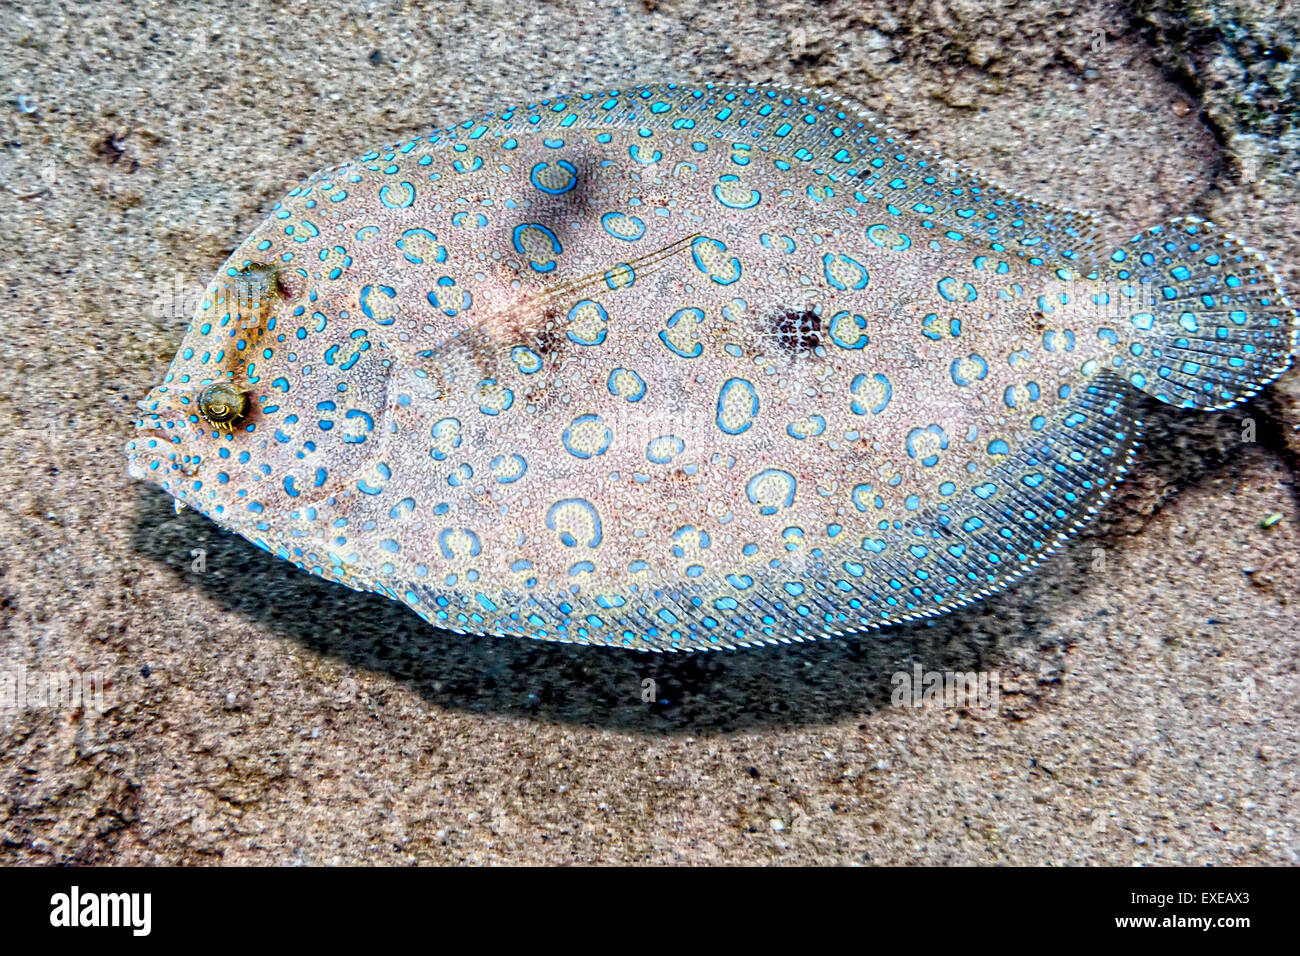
680 369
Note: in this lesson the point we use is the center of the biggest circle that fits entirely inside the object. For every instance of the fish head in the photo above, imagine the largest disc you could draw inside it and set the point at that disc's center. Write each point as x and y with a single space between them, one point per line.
267 406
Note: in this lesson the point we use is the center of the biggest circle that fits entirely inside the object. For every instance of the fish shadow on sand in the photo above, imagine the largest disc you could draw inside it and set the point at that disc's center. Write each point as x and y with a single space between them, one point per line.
727 691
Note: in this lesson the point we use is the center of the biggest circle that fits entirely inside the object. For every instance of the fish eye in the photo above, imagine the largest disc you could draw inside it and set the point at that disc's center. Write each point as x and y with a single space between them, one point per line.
222 404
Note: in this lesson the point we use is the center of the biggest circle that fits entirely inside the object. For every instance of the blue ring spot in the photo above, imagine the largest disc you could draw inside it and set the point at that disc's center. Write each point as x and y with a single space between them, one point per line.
623 375
603 443
609 220
770 476
535 177
566 537
407 200
724 397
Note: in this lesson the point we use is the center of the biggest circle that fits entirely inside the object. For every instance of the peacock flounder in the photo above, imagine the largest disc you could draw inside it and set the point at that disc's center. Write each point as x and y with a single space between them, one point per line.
679 369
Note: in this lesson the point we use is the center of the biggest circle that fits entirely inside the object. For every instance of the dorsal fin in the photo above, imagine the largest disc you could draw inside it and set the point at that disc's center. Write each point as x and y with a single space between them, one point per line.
831 136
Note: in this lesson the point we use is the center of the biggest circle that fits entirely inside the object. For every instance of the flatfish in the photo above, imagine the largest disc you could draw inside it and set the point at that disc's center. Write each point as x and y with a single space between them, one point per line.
686 368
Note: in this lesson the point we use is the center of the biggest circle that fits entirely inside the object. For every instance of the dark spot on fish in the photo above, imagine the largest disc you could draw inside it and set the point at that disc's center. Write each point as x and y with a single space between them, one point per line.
548 334
797 332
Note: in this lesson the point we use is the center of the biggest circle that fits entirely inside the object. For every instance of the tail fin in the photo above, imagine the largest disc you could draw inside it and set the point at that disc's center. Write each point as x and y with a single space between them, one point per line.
1200 316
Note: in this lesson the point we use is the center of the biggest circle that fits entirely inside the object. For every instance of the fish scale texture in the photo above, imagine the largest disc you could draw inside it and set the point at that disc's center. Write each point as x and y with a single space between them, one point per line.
682 369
